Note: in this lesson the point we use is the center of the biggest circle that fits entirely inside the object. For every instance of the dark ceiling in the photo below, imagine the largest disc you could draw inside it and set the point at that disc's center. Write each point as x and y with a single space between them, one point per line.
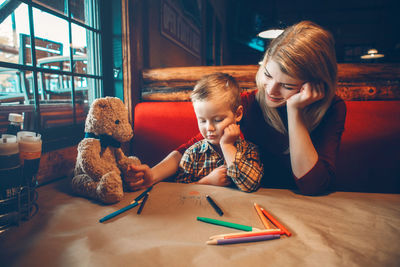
357 25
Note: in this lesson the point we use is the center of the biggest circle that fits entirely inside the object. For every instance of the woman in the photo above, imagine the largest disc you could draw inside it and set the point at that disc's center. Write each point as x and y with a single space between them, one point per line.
294 116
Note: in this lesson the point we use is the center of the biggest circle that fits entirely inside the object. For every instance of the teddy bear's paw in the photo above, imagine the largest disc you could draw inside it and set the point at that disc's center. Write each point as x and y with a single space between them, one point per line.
83 185
134 160
110 190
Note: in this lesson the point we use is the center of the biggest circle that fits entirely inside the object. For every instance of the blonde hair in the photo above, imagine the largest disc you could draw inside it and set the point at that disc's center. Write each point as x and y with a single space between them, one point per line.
304 51
219 86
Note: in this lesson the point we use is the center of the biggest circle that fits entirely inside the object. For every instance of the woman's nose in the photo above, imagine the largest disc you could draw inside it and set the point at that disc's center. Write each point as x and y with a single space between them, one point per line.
273 88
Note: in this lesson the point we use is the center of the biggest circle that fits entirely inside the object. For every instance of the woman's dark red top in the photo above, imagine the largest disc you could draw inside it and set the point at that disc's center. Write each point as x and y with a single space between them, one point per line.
272 145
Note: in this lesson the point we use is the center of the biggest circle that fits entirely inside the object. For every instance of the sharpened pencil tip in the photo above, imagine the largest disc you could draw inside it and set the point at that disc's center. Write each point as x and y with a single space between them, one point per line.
211 242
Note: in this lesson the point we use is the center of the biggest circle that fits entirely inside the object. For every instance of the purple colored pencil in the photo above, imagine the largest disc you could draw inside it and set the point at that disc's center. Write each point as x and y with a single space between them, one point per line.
242 239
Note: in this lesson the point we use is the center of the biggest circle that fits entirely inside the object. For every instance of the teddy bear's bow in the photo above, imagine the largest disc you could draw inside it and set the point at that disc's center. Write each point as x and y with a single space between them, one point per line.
105 140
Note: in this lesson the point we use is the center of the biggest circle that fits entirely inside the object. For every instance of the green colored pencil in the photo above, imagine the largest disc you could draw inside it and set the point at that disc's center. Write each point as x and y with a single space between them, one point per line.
226 224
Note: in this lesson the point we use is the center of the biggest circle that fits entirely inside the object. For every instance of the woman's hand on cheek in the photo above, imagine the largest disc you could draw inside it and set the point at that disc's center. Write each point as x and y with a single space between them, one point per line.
308 94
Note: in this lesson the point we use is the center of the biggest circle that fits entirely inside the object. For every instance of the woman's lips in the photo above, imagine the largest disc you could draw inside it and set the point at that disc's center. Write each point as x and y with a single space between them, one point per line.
273 99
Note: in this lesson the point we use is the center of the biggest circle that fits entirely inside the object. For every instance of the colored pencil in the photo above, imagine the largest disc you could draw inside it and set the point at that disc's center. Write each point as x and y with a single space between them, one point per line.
115 213
226 224
246 234
142 194
142 205
261 216
277 224
214 205
133 204
242 239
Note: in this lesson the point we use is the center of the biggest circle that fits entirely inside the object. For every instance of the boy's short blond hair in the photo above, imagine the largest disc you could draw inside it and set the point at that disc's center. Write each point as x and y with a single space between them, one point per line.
219 86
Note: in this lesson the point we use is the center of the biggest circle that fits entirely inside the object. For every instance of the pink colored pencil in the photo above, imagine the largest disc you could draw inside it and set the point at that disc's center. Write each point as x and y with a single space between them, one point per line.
277 224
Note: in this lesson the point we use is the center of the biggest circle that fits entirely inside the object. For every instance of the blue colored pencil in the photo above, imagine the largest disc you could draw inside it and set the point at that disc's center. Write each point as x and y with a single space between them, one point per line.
115 213
142 194
132 205
142 205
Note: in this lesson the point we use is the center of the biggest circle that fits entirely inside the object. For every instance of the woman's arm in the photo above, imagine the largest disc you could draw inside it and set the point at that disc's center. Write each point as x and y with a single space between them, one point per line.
303 155
313 156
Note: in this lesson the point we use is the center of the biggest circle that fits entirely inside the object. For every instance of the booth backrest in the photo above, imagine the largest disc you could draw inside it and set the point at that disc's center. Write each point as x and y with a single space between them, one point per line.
368 161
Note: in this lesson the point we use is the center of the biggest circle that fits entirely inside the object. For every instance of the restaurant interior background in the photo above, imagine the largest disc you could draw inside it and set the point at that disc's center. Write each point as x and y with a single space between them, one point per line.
110 43
228 29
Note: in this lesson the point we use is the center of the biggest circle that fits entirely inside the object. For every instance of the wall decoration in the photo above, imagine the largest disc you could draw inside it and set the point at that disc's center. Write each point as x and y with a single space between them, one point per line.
179 28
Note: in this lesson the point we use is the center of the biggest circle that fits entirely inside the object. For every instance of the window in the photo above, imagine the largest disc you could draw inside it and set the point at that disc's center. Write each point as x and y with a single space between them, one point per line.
50 64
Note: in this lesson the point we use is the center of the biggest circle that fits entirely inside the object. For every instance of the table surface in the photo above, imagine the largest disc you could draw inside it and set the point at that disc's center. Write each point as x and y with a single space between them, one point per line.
337 229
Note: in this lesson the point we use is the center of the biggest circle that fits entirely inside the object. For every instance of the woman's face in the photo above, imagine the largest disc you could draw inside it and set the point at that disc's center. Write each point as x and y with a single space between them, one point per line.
278 86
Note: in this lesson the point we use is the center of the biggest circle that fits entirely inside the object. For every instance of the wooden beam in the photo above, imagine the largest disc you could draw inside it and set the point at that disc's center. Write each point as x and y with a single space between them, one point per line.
355 81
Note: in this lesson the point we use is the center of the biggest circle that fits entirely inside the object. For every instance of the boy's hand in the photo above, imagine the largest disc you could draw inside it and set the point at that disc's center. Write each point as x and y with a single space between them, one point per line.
231 134
139 177
216 177
309 93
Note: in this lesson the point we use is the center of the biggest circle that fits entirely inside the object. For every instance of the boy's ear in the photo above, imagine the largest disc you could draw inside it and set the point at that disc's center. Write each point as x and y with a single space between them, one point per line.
239 113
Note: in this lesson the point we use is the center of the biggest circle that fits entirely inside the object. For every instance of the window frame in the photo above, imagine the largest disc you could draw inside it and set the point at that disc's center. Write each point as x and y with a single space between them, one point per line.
62 136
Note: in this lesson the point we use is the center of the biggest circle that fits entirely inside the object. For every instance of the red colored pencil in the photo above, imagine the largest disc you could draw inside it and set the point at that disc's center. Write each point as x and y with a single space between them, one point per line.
277 224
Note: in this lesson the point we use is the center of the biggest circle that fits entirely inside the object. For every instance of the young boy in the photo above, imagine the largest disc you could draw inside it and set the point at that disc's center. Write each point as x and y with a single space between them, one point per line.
222 156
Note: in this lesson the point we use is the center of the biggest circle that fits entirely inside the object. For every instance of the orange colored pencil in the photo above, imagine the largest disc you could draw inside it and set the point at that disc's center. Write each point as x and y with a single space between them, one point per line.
262 217
277 224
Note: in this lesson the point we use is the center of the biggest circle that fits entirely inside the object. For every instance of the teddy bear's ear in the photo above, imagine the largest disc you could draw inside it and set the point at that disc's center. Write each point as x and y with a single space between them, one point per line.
97 110
99 103
99 107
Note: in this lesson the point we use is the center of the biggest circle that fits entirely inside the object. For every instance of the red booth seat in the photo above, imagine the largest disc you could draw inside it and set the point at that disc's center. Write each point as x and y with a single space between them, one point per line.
368 161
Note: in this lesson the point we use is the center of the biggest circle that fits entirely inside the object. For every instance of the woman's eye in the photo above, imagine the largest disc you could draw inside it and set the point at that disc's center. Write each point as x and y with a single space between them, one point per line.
288 87
267 75
117 122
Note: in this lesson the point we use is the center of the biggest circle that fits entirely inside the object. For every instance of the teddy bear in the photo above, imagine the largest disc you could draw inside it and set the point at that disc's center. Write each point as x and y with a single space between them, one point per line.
101 165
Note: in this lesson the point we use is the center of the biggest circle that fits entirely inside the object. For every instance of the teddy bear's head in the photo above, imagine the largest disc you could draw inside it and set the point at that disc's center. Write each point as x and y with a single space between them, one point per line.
109 116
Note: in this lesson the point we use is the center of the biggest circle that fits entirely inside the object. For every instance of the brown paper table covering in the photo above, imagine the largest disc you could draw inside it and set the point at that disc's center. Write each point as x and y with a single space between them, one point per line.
338 229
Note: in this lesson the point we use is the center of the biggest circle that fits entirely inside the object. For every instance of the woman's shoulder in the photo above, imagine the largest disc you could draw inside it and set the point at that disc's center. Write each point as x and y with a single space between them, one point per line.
336 113
249 95
248 98
338 105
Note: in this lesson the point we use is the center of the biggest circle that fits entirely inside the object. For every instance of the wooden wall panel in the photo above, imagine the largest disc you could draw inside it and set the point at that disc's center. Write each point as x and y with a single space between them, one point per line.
355 81
56 164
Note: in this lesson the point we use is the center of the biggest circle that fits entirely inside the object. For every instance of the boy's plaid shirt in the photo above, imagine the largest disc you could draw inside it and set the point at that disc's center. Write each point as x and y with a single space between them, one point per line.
201 158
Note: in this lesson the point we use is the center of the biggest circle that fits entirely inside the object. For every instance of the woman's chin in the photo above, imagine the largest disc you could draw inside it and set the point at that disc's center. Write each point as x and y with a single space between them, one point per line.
275 104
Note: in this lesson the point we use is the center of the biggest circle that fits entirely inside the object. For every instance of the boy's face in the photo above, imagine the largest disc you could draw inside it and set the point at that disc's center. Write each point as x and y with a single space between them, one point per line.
213 117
